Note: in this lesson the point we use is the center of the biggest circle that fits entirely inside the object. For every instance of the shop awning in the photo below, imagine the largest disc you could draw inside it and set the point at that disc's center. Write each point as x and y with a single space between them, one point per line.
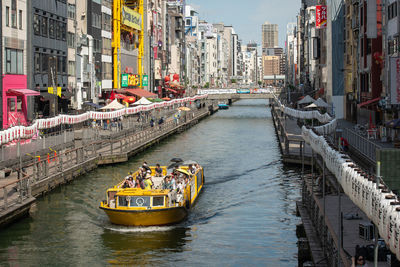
141 93
27 92
171 90
369 102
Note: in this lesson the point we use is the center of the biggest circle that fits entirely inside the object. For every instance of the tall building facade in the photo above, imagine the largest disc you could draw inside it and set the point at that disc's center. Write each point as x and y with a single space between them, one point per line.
269 35
16 106
48 54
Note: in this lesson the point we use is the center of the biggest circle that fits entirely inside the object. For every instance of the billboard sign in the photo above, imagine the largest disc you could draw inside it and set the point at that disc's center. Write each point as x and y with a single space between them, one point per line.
321 16
131 18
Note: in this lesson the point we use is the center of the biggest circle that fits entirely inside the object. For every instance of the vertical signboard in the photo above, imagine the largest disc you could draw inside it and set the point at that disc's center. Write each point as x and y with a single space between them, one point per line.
394 80
321 16
145 80
124 80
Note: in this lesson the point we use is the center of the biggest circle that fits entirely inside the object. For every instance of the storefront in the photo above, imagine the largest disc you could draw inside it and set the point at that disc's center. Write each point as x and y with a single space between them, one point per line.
17 101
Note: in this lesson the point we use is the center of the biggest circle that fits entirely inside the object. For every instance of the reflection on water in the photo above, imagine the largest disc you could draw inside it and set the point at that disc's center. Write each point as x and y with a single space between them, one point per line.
244 216
133 245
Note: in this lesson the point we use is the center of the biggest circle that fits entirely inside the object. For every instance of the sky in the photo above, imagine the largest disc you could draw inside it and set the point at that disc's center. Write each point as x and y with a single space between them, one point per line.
246 17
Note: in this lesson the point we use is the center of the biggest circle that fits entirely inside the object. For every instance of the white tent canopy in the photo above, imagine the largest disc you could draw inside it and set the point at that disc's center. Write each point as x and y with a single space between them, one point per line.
142 101
307 99
321 103
113 105
312 106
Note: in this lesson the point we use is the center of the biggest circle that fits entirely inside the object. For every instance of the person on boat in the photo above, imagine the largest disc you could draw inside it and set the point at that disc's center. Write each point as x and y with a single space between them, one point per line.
148 183
166 182
126 183
180 186
179 191
158 170
172 183
146 166
131 182
138 182
192 169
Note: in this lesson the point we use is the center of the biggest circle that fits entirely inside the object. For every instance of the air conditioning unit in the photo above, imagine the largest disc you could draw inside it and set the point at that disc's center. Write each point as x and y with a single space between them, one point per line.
366 230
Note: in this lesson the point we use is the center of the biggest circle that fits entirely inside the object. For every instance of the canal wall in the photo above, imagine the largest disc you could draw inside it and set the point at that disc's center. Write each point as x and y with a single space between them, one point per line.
41 174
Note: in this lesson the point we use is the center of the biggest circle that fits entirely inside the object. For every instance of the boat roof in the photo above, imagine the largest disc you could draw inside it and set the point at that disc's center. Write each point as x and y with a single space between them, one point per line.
141 192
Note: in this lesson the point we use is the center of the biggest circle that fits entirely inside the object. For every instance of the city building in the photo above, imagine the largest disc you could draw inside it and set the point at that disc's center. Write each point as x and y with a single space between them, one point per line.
17 103
269 35
47 54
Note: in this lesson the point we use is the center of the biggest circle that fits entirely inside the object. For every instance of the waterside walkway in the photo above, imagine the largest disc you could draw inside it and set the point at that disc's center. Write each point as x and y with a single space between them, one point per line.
325 210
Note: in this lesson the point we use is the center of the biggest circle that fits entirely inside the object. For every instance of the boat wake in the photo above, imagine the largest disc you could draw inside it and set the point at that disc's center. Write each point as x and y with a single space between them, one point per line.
236 176
125 229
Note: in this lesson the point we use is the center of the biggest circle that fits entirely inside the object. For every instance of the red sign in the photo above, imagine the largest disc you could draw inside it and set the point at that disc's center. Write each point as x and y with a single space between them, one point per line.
321 16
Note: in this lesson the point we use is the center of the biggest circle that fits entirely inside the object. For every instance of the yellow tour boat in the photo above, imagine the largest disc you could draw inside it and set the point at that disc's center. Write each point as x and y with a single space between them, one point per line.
163 204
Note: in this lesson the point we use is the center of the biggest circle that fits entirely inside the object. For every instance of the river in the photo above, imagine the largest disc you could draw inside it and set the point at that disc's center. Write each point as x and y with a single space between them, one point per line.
245 215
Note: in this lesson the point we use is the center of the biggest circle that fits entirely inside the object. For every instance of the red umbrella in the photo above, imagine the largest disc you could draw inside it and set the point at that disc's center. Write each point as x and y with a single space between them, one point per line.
129 99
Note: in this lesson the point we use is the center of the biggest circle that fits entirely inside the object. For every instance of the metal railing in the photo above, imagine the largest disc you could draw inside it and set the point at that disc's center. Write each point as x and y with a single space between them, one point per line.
15 192
364 146
35 145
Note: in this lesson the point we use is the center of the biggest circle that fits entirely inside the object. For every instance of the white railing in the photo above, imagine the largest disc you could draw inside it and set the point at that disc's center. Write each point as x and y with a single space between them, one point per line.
25 132
375 200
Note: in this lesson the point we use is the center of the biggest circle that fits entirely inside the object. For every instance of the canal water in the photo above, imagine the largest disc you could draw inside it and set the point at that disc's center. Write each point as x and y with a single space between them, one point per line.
244 217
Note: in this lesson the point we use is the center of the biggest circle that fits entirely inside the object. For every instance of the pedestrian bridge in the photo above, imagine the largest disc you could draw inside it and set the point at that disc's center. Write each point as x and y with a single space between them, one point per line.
236 94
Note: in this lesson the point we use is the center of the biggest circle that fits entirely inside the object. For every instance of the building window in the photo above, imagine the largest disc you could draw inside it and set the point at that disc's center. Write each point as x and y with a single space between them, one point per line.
20 19
96 21
8 16
45 62
58 29
71 39
106 71
52 28
14 13
14 61
37 62
106 22
44 26
107 50
36 24
71 68
63 31
61 64
96 46
71 11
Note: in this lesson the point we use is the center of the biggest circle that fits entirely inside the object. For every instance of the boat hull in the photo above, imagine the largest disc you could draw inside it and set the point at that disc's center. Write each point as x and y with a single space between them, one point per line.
146 217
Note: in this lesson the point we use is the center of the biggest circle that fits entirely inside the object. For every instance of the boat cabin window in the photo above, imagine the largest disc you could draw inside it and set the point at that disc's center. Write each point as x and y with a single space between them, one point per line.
123 201
158 201
140 201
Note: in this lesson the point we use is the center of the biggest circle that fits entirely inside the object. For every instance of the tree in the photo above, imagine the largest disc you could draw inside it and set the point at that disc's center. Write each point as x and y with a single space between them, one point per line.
207 85
259 83
233 80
